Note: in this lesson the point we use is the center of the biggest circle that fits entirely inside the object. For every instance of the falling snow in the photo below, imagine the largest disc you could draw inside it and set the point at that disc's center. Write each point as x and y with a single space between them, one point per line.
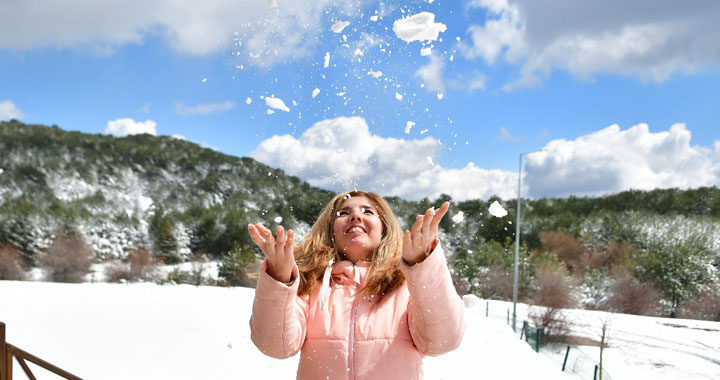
375 74
276 103
459 217
409 126
497 210
339 26
419 27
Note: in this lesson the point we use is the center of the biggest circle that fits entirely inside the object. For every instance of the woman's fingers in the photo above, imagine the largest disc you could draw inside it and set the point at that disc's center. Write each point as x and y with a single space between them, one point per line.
438 217
279 252
427 221
416 230
255 236
280 243
289 244
269 240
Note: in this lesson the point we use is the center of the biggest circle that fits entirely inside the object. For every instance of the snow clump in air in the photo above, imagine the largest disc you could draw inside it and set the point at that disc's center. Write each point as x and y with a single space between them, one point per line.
276 103
409 126
419 27
339 26
248 100
373 18
496 210
398 96
278 219
425 51
459 217
326 63
315 92
375 74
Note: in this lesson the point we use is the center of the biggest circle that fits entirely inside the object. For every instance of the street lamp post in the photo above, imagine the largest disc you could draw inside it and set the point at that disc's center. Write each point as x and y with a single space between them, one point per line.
517 240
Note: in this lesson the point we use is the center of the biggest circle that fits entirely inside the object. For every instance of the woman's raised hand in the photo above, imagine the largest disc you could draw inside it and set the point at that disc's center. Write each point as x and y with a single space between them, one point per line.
420 240
279 252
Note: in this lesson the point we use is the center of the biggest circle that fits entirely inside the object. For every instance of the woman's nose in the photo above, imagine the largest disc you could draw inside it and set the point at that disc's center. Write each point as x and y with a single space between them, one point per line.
355 215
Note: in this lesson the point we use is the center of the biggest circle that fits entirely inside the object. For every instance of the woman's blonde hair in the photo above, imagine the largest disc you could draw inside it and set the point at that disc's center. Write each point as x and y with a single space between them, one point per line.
317 248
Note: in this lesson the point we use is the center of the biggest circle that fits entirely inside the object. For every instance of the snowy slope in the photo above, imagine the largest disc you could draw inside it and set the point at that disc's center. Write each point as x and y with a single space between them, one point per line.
148 331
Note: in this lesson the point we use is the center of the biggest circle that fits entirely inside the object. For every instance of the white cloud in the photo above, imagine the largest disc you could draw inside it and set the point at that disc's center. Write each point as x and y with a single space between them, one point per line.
202 109
468 82
489 40
8 110
505 135
340 154
432 74
145 108
651 40
127 126
418 27
268 35
613 160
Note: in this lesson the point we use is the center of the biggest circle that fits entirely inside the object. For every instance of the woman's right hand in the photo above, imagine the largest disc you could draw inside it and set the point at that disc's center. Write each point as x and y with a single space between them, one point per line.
279 252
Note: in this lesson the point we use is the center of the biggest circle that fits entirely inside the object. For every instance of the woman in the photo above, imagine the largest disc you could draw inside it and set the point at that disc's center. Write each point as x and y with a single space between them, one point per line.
356 296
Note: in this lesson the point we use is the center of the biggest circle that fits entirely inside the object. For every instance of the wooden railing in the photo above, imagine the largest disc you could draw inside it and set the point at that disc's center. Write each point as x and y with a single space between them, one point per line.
8 351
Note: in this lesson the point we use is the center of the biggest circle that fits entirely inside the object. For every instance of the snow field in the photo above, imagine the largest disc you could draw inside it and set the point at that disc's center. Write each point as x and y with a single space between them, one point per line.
149 331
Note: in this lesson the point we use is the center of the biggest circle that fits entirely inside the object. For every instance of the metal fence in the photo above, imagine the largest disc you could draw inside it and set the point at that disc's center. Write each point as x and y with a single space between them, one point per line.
576 362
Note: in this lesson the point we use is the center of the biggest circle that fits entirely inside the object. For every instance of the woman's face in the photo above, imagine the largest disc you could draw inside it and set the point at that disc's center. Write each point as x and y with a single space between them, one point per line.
357 228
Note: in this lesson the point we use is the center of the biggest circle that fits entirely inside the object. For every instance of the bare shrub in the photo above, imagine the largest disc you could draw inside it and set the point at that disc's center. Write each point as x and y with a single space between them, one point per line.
567 248
462 287
11 264
705 305
611 255
496 284
117 272
67 259
142 264
630 296
552 295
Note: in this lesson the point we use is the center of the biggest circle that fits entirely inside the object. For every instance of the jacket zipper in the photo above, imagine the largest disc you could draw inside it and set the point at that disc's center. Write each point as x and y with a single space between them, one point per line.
351 339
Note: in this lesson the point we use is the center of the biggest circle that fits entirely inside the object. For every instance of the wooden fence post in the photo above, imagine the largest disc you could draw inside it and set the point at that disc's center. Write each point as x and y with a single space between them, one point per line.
3 353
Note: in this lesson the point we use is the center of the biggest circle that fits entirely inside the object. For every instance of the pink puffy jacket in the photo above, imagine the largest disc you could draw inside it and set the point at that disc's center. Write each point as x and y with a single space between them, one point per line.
344 337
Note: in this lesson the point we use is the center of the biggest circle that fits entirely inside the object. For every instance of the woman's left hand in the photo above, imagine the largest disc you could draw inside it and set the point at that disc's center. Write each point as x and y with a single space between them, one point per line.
420 240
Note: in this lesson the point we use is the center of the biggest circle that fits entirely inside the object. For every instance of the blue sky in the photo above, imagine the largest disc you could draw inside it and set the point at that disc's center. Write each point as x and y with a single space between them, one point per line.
620 96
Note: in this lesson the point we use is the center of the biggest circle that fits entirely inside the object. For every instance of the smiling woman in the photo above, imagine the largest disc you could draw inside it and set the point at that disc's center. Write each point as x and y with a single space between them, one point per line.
357 297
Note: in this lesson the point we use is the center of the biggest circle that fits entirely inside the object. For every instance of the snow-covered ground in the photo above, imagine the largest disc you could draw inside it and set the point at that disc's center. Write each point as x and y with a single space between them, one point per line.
149 331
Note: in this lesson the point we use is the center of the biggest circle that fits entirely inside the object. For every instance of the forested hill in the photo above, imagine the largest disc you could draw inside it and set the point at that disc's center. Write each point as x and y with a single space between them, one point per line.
180 200
118 191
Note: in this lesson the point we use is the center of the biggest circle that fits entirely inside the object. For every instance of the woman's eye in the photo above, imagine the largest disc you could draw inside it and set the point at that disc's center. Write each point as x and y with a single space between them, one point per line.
342 212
